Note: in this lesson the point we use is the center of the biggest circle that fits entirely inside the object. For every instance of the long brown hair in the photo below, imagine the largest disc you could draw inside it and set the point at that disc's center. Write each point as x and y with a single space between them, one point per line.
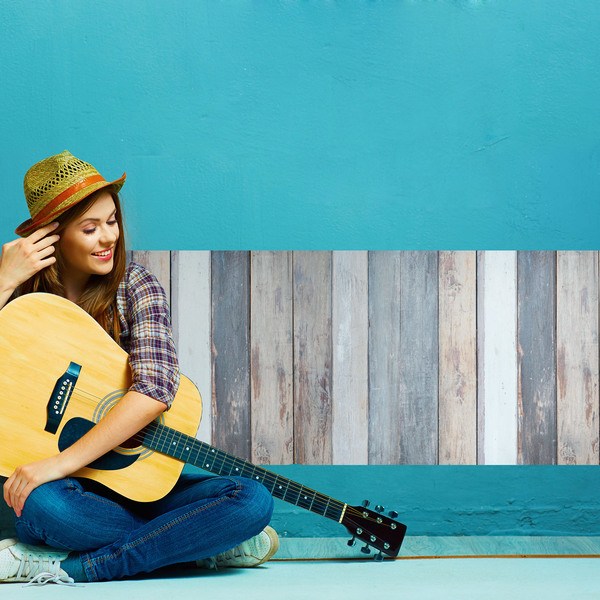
99 298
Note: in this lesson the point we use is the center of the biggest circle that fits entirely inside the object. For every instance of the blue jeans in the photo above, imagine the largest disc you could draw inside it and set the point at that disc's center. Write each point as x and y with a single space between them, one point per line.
112 537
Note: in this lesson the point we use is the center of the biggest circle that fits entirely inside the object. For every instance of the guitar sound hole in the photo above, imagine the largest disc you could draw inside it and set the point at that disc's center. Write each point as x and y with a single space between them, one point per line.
131 443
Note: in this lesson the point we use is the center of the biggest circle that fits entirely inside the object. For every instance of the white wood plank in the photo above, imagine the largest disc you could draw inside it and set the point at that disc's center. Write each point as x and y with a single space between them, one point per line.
192 326
350 324
497 342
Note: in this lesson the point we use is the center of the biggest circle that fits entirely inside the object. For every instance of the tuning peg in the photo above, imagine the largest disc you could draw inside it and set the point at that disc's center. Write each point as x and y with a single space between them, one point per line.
365 549
393 514
352 541
365 503
378 557
379 508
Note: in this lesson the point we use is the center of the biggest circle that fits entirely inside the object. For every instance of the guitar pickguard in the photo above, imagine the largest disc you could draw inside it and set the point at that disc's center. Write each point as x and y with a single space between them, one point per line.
111 461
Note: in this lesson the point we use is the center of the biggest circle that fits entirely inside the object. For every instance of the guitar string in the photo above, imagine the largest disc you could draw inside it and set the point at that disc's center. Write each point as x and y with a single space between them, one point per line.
228 461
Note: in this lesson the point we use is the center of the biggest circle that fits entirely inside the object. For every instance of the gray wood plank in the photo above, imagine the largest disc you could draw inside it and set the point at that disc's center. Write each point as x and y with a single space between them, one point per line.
272 358
458 358
312 357
385 357
350 407
577 357
230 274
419 355
536 301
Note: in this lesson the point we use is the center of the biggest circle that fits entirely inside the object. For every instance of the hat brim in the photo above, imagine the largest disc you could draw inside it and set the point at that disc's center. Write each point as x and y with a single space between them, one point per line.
29 226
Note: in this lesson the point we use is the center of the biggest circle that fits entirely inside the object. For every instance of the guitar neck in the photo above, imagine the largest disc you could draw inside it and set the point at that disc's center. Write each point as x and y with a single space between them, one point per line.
200 454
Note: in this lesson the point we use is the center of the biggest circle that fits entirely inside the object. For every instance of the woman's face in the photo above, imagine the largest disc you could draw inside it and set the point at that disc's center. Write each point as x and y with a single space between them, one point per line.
87 244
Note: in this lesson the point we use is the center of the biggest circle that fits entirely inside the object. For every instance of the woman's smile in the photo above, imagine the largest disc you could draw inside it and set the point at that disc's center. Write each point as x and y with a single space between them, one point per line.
104 254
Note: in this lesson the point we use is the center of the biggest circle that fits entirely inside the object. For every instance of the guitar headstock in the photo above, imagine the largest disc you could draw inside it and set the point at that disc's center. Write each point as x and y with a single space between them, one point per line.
381 532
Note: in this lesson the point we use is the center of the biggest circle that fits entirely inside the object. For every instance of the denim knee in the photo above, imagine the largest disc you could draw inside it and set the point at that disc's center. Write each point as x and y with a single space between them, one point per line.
42 503
259 502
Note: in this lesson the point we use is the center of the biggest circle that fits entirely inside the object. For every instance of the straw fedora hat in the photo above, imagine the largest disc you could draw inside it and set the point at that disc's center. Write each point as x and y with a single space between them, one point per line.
57 183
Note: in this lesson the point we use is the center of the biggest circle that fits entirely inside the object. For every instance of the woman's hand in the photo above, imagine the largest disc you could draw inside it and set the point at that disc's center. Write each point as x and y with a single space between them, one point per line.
24 257
27 477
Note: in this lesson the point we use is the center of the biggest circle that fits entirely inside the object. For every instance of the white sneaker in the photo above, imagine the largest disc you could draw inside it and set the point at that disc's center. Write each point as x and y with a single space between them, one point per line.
35 564
251 553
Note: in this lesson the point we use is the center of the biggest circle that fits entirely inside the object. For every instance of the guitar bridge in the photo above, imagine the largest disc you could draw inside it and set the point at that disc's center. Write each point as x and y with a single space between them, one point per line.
60 396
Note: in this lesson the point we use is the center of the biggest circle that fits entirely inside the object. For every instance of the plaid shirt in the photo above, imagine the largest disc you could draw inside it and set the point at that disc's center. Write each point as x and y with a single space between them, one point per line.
146 334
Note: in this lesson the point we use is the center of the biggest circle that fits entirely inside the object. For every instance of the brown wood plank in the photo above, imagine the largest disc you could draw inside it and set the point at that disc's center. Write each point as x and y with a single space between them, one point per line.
577 357
419 383
272 360
312 357
385 358
231 353
536 301
458 358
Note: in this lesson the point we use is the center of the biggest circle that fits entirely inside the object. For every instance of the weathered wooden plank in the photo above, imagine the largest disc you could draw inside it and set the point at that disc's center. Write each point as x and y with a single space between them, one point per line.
350 325
230 277
191 309
536 294
419 380
577 357
385 358
458 358
272 360
497 364
159 263
312 357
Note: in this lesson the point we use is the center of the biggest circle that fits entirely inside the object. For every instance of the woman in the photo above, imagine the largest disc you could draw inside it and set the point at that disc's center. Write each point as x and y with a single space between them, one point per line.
73 246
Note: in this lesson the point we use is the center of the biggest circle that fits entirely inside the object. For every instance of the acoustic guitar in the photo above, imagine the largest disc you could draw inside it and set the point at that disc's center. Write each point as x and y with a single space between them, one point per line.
60 373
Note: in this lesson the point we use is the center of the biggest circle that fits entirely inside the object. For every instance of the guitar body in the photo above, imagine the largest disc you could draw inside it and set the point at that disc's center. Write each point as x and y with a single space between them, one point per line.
41 335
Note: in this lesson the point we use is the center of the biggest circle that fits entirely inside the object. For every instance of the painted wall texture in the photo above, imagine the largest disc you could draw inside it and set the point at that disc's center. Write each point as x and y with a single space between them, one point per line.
292 125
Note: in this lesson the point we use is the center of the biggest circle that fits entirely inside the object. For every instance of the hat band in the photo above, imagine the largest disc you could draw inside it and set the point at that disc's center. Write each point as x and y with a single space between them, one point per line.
52 205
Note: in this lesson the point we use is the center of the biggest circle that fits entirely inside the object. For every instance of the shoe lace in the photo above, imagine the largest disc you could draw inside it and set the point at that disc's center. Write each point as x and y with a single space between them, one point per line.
236 552
42 569
44 578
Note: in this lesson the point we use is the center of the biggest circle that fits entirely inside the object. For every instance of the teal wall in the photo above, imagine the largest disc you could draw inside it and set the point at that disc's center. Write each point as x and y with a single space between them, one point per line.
443 500
454 500
315 125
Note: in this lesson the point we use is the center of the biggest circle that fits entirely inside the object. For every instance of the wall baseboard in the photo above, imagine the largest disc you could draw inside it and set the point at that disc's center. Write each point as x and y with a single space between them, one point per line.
422 547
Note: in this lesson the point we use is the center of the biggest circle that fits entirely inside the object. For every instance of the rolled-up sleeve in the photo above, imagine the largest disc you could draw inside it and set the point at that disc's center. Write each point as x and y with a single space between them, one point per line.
152 355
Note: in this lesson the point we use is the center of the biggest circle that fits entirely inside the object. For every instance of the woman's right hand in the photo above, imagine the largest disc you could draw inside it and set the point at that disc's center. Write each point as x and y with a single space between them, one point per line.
24 257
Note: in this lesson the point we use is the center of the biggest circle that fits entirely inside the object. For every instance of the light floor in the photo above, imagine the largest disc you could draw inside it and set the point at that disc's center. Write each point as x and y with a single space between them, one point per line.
420 579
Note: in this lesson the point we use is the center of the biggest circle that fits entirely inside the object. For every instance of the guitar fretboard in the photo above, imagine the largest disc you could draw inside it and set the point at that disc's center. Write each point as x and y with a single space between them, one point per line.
200 454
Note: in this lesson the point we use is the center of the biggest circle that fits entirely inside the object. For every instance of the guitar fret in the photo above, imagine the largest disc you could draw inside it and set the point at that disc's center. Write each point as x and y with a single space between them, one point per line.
291 496
271 482
303 499
280 491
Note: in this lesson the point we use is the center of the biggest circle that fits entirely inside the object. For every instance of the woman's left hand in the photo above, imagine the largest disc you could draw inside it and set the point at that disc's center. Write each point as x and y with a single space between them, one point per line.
27 477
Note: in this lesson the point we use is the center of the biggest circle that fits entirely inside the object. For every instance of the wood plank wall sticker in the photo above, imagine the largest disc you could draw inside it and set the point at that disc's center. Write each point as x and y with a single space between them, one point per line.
391 357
